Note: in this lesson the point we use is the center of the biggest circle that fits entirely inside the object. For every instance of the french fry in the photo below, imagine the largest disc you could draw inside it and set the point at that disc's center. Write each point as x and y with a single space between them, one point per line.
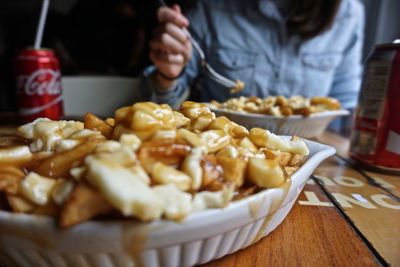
10 179
50 209
281 101
15 155
19 204
289 170
214 186
329 102
304 111
286 111
83 203
164 174
110 121
234 169
59 164
203 121
296 160
211 172
282 157
245 191
12 170
93 122
167 151
193 110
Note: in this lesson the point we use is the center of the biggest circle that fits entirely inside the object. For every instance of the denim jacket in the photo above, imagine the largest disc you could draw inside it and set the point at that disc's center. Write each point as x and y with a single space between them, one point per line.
248 40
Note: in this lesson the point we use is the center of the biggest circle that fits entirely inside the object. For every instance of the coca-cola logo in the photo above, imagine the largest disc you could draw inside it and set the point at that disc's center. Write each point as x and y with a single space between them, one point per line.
43 82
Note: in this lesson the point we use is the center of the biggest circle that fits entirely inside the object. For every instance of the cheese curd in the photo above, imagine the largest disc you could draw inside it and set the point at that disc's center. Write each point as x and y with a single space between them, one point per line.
144 118
265 138
164 134
176 204
164 174
61 190
37 188
219 199
48 135
124 189
192 166
66 144
130 140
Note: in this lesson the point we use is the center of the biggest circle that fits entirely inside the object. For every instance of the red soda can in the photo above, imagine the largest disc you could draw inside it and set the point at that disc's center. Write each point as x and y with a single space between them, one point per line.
39 84
375 138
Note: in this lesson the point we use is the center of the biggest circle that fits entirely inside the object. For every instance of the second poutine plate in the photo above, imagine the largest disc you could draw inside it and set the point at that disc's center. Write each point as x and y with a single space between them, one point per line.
306 127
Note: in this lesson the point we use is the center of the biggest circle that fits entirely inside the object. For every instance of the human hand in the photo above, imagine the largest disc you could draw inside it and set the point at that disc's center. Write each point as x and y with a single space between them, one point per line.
170 47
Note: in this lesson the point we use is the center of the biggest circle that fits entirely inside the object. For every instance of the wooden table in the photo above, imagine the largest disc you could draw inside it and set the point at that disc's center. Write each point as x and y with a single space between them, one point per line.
345 216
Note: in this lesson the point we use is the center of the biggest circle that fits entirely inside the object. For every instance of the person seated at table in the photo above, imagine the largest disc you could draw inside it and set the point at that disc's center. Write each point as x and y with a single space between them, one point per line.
286 47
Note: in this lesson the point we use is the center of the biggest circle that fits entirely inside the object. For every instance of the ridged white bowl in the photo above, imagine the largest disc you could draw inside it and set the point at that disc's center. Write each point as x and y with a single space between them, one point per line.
31 240
306 127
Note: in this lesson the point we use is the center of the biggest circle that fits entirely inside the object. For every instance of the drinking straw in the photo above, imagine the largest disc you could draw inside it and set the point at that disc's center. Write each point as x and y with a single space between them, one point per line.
42 21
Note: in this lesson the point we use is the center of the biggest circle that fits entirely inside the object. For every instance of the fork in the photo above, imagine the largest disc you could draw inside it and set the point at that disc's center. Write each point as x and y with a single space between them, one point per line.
222 80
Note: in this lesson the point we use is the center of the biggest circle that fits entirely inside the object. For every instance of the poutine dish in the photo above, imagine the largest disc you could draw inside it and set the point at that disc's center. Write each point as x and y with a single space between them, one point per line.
279 106
149 162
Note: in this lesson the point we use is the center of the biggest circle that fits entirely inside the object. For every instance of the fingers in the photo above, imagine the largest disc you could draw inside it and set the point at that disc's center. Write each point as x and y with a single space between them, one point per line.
166 42
166 57
172 15
171 58
176 32
181 34
177 8
168 64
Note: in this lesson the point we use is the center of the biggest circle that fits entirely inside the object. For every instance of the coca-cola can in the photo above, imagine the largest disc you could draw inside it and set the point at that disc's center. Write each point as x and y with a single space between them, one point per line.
375 138
39 84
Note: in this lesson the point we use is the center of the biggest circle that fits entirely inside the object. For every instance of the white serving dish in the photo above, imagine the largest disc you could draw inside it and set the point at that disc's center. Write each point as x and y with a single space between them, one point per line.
31 240
306 127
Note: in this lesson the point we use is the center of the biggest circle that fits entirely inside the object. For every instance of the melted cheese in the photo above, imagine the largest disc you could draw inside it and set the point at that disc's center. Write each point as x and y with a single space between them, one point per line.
192 166
265 138
164 174
37 188
219 199
265 173
123 189
61 191
130 140
177 204
46 134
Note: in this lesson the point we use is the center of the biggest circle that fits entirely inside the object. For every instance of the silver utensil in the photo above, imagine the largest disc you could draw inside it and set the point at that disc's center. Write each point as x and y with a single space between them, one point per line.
235 86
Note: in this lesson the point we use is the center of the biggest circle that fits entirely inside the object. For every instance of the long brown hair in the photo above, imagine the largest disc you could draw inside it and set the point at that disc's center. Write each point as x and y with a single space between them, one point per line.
309 18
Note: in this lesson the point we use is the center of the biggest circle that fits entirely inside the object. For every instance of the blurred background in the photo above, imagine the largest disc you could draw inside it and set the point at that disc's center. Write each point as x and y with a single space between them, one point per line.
110 37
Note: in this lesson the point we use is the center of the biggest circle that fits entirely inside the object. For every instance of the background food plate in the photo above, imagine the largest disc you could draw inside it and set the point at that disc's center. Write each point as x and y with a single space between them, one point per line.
32 240
306 127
